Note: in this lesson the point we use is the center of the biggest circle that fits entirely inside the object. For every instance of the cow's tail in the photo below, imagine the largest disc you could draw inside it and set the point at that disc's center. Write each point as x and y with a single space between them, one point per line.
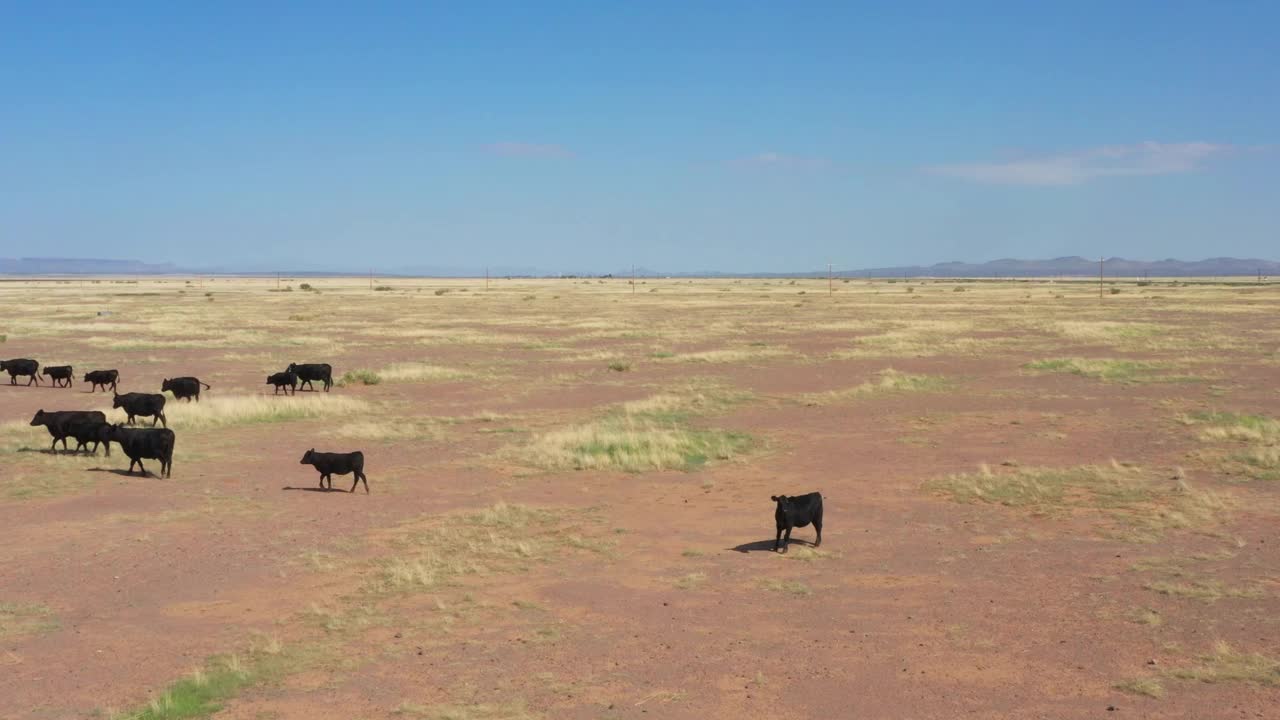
206 385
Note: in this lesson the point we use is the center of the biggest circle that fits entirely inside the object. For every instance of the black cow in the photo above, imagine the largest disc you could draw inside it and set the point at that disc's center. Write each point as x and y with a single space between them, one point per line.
103 378
308 372
141 405
59 375
149 443
21 366
57 422
797 511
90 430
284 380
183 387
340 463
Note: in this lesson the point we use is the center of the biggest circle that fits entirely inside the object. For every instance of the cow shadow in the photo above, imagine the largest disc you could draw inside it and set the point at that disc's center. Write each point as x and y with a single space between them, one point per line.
314 489
124 473
47 451
766 545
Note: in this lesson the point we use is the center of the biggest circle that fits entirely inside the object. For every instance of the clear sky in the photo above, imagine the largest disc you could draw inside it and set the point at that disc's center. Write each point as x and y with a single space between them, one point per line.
734 136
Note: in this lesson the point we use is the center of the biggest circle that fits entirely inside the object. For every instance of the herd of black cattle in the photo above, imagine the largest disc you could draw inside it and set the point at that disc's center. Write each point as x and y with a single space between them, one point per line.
89 428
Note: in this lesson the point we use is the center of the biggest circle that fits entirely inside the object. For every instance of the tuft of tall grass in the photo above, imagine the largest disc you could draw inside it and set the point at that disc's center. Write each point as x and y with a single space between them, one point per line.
213 412
1226 664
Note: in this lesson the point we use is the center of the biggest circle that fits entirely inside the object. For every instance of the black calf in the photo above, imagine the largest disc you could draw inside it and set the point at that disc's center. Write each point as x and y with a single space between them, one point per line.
797 511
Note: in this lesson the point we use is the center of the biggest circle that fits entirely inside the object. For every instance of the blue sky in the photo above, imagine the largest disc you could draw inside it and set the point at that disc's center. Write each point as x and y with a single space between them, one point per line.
677 136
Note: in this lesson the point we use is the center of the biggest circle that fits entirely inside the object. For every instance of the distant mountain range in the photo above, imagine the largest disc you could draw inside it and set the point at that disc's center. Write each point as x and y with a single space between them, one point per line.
1007 267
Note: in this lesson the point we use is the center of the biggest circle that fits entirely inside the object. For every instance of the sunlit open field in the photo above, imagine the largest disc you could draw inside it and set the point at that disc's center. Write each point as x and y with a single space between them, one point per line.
1040 501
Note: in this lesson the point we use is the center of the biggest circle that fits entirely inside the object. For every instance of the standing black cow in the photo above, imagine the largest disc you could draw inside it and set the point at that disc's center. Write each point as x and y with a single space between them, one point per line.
21 366
286 380
90 430
150 443
141 405
314 371
59 375
797 511
184 387
57 422
340 463
103 378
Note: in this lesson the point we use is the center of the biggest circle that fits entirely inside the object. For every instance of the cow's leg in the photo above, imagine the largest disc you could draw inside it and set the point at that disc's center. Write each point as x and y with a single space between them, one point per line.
817 525
53 446
154 420
786 539
359 479
163 419
778 540
142 468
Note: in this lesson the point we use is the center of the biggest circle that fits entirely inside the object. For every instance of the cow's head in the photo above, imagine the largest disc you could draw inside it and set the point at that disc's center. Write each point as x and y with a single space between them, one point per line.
271 379
292 367
307 459
39 418
115 399
780 499
166 384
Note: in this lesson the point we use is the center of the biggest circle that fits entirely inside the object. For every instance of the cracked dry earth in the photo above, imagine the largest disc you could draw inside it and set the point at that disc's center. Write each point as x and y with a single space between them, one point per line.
654 593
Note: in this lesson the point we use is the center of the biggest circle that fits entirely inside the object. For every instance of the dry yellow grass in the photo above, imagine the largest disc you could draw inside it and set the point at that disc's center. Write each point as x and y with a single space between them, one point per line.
1144 506
216 411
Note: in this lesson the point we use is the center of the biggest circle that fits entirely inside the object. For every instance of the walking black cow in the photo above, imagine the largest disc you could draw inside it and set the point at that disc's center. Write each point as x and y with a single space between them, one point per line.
286 380
797 511
103 378
141 405
58 421
59 375
148 443
184 387
21 366
313 371
337 463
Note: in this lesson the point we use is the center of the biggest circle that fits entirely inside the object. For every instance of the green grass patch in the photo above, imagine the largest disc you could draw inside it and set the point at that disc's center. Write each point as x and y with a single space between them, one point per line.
362 377
1125 371
1147 686
1255 437
203 692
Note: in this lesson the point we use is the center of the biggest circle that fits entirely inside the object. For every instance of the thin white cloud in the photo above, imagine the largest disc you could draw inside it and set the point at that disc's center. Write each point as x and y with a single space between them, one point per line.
781 160
528 150
1074 168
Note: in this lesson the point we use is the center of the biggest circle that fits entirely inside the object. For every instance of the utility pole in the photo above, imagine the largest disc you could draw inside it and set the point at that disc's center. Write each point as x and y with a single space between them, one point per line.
633 278
277 279
831 288
370 278
486 278
1100 260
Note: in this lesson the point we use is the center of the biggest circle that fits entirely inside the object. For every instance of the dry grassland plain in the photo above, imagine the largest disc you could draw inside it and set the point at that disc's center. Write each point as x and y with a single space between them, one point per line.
1039 503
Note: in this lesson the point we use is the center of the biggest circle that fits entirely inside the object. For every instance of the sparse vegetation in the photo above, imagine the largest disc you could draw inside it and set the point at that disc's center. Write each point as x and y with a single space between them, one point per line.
1226 664
887 381
1099 369
221 411
18 619
361 377
1144 506
789 587
1147 686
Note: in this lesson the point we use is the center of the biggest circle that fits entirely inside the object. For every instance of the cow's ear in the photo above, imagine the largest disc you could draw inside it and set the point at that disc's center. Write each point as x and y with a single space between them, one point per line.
773 498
